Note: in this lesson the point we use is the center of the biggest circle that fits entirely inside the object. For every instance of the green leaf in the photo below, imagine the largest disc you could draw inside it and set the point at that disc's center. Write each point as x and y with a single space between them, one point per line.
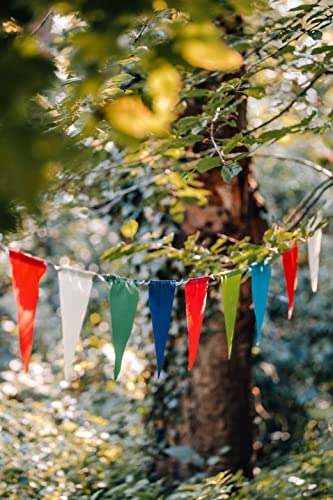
257 92
315 34
185 124
207 164
120 251
230 170
186 141
249 7
168 239
274 134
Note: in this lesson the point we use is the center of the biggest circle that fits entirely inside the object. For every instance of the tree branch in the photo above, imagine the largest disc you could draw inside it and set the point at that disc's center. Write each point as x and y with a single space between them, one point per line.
212 138
303 161
42 23
312 204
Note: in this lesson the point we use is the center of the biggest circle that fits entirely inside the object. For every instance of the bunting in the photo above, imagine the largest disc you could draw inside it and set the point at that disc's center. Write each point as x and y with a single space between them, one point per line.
27 272
124 297
161 295
289 262
260 279
314 246
195 296
74 289
230 293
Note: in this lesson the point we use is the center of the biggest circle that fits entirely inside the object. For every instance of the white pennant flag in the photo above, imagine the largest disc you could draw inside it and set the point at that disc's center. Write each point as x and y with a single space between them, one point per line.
314 245
74 288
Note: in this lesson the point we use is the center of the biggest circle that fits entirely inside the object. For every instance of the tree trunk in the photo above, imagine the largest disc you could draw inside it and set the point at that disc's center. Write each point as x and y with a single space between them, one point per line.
215 409
217 413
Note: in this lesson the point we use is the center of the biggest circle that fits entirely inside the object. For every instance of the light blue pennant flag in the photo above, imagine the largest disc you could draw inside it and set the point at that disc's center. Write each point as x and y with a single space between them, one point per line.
261 276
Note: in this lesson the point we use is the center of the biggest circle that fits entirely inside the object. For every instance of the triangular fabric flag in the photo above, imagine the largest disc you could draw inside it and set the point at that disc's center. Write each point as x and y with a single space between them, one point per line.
27 272
161 295
289 262
230 292
74 290
314 245
124 297
195 296
261 276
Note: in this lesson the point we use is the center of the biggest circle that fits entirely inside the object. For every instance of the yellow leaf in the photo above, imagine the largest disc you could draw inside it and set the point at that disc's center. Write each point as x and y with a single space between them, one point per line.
249 7
200 31
163 85
132 117
69 425
177 211
210 55
95 318
130 228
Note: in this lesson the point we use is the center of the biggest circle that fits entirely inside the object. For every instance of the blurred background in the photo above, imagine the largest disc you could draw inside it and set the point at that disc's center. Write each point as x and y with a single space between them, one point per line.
69 441
93 437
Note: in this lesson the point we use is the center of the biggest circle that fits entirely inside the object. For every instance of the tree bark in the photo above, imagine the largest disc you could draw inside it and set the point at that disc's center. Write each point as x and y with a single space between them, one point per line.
218 411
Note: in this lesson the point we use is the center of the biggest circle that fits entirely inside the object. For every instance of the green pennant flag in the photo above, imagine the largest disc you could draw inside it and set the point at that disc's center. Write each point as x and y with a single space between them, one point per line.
230 292
124 297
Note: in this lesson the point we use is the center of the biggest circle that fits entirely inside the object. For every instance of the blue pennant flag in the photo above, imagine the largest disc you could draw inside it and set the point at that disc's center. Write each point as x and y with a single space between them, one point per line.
261 276
161 295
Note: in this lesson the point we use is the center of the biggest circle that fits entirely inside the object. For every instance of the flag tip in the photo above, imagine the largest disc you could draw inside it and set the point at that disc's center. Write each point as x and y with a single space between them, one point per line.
190 364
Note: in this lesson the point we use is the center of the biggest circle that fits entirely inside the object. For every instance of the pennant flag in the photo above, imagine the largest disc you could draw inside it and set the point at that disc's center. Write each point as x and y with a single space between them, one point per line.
161 295
27 272
195 296
74 289
124 297
261 276
314 245
230 293
289 261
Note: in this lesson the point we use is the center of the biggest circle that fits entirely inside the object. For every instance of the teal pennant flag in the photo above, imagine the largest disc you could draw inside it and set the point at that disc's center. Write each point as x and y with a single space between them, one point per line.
261 277
230 293
124 297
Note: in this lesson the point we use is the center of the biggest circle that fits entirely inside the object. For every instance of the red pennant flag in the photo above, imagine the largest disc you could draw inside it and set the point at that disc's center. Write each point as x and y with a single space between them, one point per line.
195 295
27 271
289 261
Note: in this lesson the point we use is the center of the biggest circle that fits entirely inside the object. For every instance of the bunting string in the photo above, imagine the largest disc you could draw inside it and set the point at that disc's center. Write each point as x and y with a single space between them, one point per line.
75 285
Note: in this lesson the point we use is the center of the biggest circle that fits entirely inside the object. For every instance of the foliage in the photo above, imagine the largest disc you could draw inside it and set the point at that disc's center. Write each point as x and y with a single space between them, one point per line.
127 88
57 449
306 474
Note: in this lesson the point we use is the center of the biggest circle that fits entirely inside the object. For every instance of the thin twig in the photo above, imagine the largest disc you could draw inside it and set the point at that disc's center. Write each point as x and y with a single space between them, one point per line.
212 138
308 208
307 163
144 26
305 201
105 206
291 40
43 21
4 248
226 237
